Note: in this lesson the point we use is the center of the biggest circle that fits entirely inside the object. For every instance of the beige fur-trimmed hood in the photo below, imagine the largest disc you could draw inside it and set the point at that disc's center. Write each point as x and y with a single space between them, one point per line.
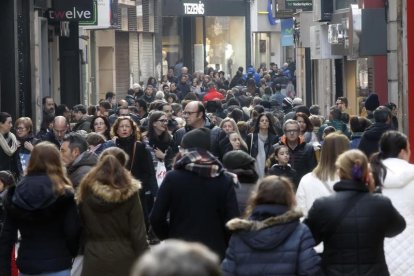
114 195
238 224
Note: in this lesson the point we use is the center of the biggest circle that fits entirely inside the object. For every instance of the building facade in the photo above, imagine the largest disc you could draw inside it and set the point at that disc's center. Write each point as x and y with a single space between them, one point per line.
125 51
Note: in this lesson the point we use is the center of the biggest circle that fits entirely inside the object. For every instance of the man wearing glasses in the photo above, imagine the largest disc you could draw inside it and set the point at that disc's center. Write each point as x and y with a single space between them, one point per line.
302 155
195 117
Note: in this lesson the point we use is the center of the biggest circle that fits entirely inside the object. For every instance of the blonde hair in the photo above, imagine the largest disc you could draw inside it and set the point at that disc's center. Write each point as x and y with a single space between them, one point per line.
352 165
135 130
333 145
243 144
232 122
45 158
27 122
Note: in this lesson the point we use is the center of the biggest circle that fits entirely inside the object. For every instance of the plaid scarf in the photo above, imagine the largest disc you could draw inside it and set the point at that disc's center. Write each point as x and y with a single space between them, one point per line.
200 162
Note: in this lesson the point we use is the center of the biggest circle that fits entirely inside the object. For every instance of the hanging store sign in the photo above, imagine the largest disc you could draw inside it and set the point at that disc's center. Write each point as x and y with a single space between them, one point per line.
304 5
203 7
287 32
82 11
107 12
194 8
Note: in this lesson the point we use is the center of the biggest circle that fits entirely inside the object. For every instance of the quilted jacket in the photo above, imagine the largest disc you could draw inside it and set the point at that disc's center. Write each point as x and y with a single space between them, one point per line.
302 158
271 242
356 246
399 187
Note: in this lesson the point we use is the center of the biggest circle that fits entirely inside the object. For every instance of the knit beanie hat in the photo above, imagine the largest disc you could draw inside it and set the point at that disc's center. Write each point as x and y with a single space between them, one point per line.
197 138
288 102
303 109
236 159
372 102
266 104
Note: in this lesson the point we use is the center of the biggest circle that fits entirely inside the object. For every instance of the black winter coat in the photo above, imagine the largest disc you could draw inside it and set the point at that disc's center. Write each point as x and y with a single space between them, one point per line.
370 139
302 158
195 208
356 246
285 171
272 139
271 242
140 163
49 226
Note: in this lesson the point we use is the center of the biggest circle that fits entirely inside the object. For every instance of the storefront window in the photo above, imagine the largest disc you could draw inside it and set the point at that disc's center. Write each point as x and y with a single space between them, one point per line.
343 4
362 78
171 42
225 43
221 47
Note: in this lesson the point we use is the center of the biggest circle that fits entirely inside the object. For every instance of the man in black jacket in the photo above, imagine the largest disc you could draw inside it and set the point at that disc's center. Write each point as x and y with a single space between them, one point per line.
195 117
370 139
302 155
197 198
59 129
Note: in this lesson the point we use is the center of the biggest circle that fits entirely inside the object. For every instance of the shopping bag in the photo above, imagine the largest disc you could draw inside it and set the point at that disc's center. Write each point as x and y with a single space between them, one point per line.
160 172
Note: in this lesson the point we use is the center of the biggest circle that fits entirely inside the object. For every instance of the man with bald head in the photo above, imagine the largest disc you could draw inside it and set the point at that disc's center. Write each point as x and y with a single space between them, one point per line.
195 117
59 129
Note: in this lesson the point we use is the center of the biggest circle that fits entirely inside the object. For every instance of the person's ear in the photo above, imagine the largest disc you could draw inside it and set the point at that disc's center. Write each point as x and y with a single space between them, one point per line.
75 152
403 154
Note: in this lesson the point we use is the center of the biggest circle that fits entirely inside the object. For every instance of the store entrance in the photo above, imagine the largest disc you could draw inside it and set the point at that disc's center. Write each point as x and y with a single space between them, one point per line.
202 42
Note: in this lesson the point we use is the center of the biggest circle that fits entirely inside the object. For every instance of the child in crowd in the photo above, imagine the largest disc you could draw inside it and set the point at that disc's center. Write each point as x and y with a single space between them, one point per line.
278 164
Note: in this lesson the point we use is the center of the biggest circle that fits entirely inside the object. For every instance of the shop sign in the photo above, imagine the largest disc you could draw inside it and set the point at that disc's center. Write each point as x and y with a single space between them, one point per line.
287 32
82 11
204 7
194 8
107 12
304 5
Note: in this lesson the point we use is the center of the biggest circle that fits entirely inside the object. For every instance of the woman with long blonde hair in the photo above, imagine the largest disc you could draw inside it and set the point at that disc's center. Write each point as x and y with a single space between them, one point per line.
320 181
112 216
43 209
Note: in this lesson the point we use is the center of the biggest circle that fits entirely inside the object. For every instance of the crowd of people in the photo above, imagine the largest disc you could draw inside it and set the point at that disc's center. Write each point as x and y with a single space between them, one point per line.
195 174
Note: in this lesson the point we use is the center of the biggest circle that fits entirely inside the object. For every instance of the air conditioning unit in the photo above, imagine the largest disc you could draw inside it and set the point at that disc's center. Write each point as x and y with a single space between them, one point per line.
320 47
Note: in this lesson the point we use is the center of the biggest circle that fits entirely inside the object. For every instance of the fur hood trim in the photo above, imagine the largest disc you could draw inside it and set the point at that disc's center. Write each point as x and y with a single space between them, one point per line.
238 224
114 195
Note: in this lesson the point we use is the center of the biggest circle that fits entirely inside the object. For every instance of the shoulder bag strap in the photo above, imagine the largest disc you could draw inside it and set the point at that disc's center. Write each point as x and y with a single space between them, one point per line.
331 226
251 143
133 156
